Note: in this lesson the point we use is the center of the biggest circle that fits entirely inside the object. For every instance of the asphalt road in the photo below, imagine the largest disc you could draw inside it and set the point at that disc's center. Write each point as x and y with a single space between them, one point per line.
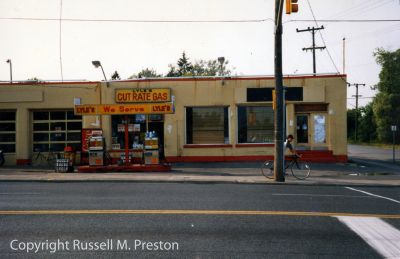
194 220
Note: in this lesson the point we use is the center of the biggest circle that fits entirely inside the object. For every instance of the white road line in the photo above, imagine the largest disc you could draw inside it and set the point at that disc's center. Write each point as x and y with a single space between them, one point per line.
378 196
381 236
320 195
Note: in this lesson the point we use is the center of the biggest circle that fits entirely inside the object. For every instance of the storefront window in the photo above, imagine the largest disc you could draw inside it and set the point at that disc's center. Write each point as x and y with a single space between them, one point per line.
255 124
54 130
207 125
136 130
7 131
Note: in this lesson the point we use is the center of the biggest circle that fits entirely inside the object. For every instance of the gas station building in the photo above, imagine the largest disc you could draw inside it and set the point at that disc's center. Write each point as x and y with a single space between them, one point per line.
196 119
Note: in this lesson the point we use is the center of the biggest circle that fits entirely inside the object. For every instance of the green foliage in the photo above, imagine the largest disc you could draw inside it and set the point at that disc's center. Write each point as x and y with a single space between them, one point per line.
386 106
366 124
146 73
185 68
115 76
351 118
200 68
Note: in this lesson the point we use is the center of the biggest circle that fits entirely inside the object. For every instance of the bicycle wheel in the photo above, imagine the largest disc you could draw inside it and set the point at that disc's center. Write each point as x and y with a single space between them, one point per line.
300 170
267 169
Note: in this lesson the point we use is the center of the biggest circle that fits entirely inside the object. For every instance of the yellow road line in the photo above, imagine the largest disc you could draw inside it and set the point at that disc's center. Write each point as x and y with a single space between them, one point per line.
196 212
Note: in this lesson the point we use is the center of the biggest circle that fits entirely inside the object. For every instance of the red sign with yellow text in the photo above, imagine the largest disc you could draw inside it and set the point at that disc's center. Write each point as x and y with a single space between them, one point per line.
143 95
118 109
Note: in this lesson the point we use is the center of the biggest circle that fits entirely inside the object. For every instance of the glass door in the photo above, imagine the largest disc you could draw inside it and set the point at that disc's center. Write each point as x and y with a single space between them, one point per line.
302 128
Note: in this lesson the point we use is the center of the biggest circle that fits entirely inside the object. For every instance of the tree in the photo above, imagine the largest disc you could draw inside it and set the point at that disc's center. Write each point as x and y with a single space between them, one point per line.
200 68
146 73
115 76
184 66
385 105
351 118
366 124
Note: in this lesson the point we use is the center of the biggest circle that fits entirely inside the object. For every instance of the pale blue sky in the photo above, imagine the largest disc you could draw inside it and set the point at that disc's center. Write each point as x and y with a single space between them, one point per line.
34 46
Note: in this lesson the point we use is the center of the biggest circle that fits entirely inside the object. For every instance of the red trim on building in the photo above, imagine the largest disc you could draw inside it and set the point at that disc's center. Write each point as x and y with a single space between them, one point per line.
341 158
177 159
172 79
34 83
207 146
255 145
23 162
317 156
227 78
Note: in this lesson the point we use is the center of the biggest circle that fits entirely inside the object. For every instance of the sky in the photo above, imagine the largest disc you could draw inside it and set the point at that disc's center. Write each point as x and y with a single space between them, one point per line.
119 34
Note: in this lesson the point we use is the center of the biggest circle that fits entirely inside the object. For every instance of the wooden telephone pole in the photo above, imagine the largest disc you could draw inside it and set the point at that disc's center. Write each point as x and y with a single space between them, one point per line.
313 47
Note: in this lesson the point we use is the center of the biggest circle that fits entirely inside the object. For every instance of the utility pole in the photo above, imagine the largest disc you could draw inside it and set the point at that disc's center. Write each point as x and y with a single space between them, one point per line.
313 48
356 120
278 112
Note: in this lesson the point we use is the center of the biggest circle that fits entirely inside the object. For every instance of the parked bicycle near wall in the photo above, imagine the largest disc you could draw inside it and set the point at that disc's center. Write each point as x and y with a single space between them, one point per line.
40 158
300 169
2 159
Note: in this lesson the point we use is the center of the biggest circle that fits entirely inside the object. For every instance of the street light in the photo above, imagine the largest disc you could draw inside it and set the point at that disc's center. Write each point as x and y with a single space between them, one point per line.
97 64
9 62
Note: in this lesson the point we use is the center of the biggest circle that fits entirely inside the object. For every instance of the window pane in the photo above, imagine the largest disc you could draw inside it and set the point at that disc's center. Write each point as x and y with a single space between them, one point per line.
5 126
8 148
57 115
40 115
72 116
41 147
57 126
207 125
40 137
57 136
41 126
7 116
74 125
75 146
7 137
57 147
255 124
74 136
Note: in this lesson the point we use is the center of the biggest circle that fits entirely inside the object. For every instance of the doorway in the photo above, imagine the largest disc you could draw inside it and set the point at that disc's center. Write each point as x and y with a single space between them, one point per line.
302 128
311 130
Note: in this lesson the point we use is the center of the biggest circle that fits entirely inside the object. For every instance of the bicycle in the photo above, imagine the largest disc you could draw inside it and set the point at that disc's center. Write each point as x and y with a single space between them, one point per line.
300 169
38 158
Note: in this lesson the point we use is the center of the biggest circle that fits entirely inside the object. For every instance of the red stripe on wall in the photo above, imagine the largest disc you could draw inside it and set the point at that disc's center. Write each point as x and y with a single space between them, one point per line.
23 161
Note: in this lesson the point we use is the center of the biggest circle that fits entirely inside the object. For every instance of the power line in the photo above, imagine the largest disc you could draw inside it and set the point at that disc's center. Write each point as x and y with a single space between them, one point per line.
369 97
323 40
347 20
136 21
313 47
197 21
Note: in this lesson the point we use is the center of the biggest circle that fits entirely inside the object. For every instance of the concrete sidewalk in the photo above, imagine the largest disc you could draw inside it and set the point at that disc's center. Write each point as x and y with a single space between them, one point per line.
246 173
